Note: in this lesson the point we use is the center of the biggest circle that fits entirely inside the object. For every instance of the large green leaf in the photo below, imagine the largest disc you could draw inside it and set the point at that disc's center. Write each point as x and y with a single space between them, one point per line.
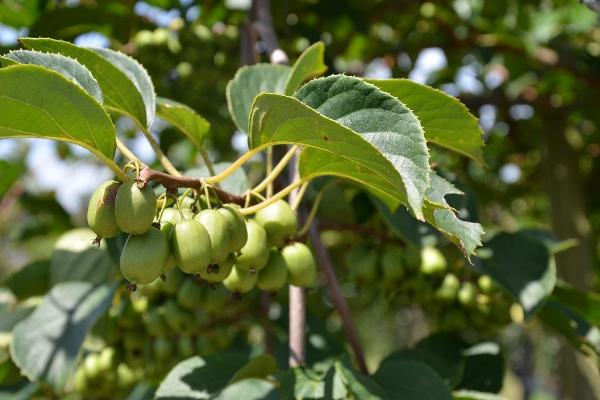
250 81
465 234
524 266
136 74
309 65
446 121
350 120
567 323
120 93
361 386
249 389
10 315
260 366
192 125
411 380
47 343
587 304
76 258
484 368
68 67
37 102
200 378
319 382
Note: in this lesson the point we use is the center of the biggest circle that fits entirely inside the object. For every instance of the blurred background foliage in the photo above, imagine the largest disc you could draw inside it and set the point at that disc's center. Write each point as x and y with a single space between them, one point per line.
529 69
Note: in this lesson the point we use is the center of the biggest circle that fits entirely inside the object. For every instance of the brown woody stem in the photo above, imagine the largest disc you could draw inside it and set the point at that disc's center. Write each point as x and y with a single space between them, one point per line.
171 182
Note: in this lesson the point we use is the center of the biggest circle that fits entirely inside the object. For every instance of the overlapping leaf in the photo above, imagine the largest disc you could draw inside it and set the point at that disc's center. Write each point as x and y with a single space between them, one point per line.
136 74
46 344
354 121
182 117
523 266
309 65
465 234
38 102
249 82
445 120
120 92
67 67
212 377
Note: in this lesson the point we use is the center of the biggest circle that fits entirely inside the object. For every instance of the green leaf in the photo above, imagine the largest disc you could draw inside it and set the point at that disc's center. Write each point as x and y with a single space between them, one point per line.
249 389
66 66
441 352
46 344
309 383
23 390
363 387
466 235
554 244
258 367
182 117
10 316
250 81
136 74
445 120
475 395
408 380
309 65
11 172
200 378
237 183
523 266
76 258
37 102
351 120
30 281
586 304
484 368
563 321
120 93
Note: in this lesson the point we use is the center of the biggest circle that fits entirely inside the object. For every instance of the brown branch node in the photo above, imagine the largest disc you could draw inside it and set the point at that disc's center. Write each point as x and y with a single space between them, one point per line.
172 183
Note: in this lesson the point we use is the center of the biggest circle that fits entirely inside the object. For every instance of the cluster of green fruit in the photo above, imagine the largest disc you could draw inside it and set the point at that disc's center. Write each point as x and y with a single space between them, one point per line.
176 320
453 297
214 245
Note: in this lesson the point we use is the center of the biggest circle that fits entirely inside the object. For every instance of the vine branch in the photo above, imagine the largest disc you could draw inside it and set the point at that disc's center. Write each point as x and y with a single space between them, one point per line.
172 182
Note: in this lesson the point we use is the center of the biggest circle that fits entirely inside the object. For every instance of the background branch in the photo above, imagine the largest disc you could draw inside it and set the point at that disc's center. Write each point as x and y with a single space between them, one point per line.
339 301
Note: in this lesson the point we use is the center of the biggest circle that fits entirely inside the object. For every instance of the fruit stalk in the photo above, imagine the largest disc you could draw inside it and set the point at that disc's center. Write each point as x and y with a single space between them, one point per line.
274 173
278 196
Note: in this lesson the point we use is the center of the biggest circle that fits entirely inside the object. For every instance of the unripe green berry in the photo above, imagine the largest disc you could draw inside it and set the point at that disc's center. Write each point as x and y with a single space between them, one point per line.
134 208
280 222
302 269
101 210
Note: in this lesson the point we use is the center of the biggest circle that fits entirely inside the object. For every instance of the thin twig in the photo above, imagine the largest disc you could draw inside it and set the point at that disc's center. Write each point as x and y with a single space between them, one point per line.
160 155
324 261
127 152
